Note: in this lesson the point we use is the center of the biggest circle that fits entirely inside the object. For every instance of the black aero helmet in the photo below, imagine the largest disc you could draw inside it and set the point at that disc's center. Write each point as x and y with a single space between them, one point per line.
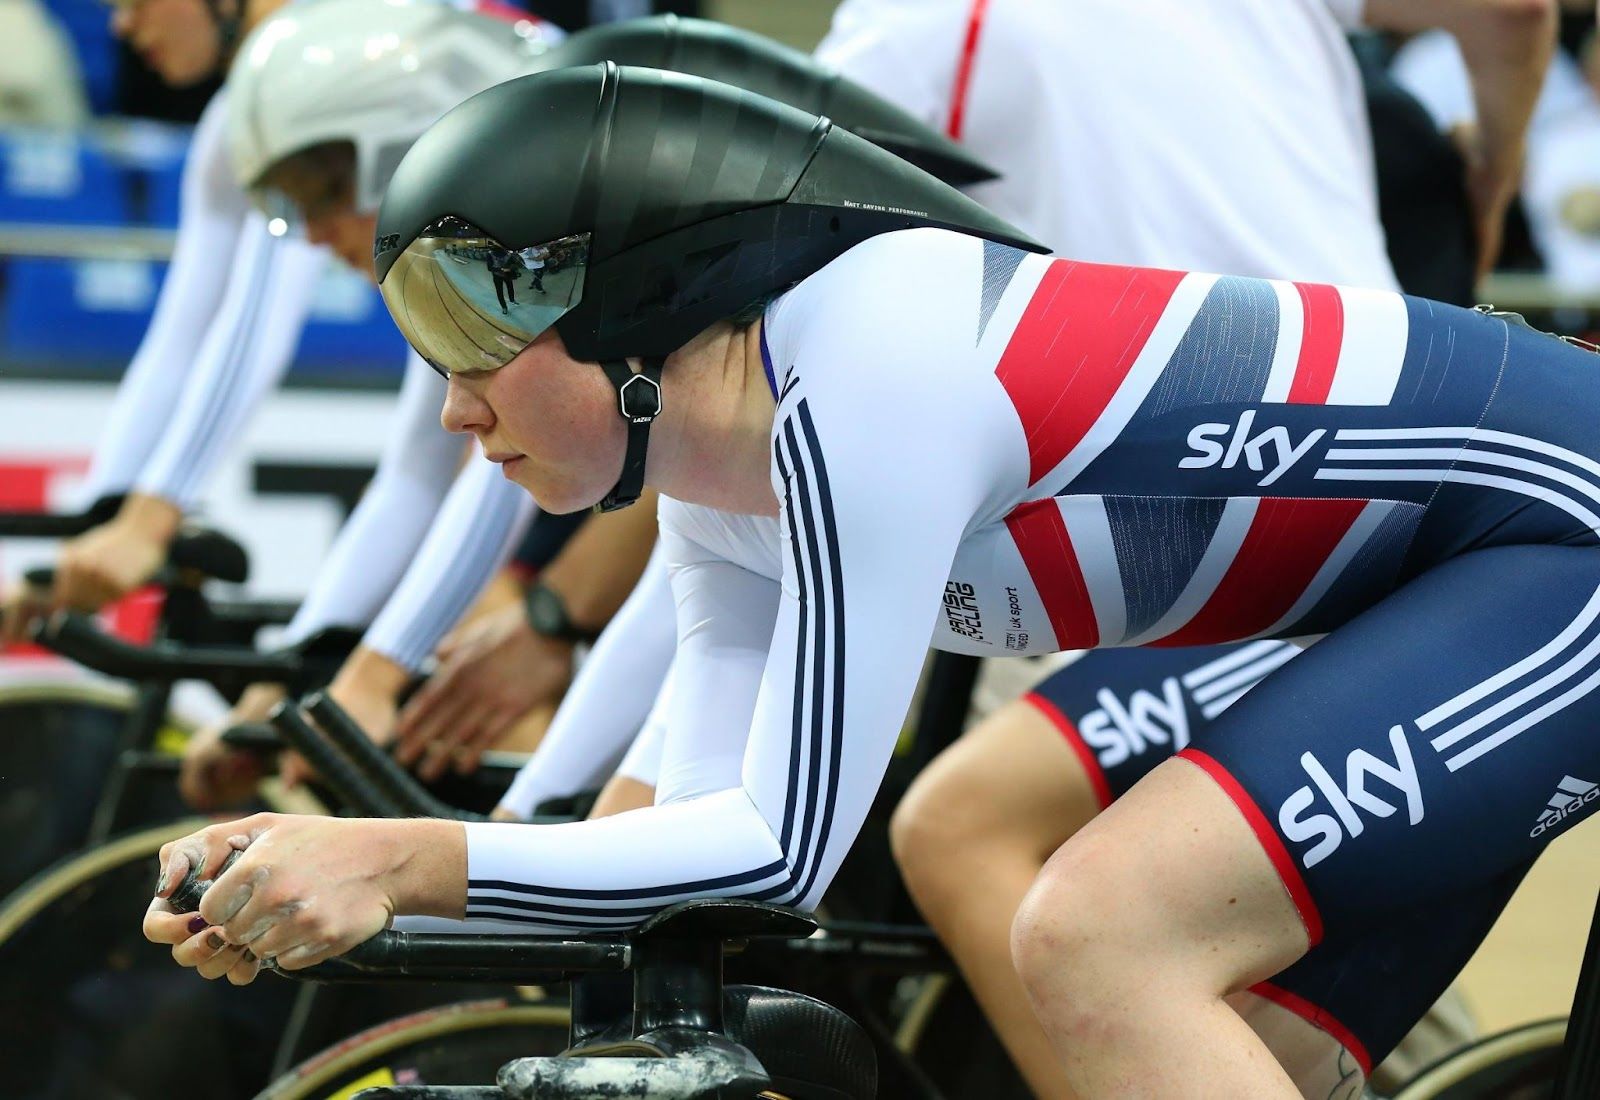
756 63
630 209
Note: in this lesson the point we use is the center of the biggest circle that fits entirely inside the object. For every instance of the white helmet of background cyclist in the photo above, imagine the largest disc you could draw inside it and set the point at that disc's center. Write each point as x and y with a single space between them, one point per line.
374 73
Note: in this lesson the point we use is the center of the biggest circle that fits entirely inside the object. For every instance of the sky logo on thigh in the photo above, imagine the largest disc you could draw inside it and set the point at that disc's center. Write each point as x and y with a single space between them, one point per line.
1117 732
1571 796
1350 800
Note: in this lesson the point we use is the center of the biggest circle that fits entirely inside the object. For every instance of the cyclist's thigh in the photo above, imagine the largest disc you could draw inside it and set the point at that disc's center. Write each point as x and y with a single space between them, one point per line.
1402 773
1123 711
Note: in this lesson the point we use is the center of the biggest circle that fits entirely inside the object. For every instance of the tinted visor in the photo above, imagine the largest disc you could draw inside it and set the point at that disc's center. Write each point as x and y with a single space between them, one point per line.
468 303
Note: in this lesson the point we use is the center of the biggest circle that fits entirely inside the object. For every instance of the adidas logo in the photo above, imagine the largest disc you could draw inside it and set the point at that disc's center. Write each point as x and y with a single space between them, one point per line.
1570 797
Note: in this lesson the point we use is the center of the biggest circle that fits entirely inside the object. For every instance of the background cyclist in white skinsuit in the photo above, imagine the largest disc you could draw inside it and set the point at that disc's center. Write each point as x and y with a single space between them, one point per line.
214 348
209 350
331 167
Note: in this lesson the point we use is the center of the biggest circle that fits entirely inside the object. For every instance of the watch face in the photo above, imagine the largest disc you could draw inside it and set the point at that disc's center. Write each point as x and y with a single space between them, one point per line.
545 613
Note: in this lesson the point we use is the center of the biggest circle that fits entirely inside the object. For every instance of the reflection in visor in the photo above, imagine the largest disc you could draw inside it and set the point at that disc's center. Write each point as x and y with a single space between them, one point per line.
467 303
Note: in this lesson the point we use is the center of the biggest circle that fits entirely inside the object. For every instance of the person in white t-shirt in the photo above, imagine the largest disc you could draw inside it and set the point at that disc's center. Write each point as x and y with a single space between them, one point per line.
1149 132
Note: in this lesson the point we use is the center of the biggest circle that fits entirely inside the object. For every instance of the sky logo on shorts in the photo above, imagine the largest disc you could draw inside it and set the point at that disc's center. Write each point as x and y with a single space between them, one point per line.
1117 732
1224 445
1349 801
1571 796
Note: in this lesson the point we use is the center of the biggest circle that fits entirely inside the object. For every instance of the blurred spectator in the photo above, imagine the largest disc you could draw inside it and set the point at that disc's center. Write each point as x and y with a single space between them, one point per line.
1561 179
40 84
171 55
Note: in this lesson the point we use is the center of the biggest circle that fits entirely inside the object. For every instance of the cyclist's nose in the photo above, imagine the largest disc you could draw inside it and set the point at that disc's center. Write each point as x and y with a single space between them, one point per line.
464 411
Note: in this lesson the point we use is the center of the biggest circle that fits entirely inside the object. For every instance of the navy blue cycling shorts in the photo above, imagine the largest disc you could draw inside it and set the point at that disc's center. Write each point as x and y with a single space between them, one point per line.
1402 774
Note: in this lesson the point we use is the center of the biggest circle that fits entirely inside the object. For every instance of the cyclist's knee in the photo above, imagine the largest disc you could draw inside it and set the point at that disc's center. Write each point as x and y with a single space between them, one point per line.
1066 923
1006 791
928 831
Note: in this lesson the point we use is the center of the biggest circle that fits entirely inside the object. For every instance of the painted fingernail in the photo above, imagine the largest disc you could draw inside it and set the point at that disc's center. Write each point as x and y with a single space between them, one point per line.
216 942
197 923
161 883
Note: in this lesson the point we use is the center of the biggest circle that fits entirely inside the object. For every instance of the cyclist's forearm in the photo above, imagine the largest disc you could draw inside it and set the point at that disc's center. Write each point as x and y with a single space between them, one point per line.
1506 46
608 699
153 517
211 214
380 540
471 538
247 349
603 561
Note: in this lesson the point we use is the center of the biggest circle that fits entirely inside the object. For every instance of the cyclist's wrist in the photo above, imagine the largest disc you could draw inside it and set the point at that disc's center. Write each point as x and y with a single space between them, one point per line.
426 863
154 518
256 702
369 672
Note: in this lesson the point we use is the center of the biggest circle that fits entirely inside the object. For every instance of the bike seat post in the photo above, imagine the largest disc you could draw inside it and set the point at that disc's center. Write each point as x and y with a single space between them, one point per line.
677 982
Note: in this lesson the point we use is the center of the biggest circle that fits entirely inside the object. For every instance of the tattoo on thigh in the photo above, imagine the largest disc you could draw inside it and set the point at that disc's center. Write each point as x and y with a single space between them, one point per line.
1351 1081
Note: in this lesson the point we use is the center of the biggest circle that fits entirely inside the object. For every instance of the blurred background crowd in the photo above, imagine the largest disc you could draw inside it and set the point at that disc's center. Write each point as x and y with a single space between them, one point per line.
92 145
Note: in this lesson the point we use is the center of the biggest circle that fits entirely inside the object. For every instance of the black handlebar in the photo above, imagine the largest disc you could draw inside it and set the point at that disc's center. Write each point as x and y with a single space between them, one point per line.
209 553
394 783
75 635
42 525
448 957
348 785
253 737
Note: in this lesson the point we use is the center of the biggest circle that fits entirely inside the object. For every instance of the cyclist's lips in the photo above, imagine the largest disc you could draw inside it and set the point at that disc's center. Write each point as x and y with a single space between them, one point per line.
506 462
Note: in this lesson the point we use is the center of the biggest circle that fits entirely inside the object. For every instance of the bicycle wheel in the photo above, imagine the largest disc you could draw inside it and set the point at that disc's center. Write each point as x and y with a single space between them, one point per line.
458 1044
93 1010
1520 1064
57 744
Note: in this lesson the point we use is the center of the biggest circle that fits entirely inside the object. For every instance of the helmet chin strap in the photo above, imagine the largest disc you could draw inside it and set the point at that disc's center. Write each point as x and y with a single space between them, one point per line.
639 403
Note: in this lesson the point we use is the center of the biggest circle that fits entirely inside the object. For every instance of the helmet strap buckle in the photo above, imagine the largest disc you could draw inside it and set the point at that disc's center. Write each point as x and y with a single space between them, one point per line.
638 403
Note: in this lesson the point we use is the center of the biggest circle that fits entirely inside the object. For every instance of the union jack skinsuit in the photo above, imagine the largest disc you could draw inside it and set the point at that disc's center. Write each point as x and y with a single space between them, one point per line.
1014 454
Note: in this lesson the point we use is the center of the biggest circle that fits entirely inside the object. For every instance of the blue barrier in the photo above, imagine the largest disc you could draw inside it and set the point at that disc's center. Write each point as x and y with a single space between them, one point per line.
54 177
77 310
92 314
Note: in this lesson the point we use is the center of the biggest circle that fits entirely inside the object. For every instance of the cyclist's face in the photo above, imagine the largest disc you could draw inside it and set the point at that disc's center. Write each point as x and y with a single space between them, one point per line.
549 420
348 234
176 38
321 185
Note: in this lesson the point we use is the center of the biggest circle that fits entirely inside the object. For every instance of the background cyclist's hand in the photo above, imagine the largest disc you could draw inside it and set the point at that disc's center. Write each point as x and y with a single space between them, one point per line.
367 687
20 606
491 672
110 561
215 776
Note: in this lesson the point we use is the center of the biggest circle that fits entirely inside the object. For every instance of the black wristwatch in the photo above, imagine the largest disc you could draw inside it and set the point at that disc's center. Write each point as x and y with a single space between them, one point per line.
547 615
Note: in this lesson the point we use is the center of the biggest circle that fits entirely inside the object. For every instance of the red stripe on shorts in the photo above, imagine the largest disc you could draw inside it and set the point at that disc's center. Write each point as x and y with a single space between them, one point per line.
1288 542
1282 861
1317 1017
1320 338
1074 739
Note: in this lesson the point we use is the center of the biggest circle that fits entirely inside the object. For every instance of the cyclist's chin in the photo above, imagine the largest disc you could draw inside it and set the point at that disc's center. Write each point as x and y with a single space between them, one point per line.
555 495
